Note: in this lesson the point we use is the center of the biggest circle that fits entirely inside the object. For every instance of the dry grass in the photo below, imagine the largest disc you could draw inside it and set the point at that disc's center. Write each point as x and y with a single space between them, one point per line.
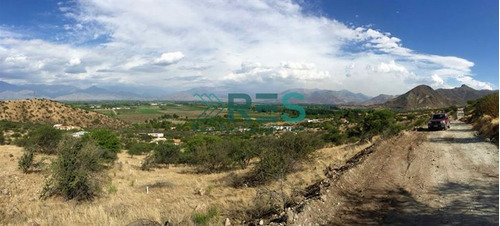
487 126
175 193
52 112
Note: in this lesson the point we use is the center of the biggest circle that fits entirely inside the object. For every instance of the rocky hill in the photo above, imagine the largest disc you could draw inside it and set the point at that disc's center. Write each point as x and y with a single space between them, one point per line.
424 97
52 112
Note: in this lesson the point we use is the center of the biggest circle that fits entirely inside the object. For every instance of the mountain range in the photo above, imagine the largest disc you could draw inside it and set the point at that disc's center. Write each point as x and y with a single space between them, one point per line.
424 97
417 98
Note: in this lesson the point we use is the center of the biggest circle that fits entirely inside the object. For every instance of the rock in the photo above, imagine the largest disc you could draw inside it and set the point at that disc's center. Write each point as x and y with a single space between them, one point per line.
227 222
11 156
32 199
5 192
200 191
291 217
261 222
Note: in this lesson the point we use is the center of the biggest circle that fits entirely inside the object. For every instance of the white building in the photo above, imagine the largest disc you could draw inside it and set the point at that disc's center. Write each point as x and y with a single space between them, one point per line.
156 135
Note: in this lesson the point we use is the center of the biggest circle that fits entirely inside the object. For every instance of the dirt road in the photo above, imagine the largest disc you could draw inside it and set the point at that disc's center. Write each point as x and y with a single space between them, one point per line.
419 178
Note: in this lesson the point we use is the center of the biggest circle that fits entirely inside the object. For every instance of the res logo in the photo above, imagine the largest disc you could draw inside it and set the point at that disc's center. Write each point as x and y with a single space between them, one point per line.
243 109
241 103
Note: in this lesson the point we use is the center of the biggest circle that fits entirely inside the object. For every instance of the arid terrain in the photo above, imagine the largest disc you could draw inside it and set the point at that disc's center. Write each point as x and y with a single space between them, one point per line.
175 193
52 112
419 178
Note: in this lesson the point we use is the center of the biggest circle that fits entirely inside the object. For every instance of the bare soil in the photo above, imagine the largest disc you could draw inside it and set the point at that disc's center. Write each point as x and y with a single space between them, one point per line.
419 178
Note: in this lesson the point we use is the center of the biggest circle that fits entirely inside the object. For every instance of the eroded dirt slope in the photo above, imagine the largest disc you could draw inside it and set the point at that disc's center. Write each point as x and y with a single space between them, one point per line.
419 178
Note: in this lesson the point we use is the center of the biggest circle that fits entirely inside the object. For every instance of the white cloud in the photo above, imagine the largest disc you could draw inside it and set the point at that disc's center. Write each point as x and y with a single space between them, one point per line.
467 80
74 61
391 67
438 81
169 58
258 43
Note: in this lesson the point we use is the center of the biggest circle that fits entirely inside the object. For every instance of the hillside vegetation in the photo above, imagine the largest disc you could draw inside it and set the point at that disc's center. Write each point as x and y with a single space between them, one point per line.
52 112
483 114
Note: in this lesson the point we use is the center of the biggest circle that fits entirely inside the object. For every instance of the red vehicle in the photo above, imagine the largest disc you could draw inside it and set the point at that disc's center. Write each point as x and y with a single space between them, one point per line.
439 121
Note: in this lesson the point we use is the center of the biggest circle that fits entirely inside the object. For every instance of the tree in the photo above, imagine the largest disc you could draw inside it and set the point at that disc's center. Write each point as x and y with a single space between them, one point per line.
107 140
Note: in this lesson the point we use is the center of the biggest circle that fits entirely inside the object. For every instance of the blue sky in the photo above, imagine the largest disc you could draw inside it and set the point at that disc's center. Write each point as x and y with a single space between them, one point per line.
468 29
364 46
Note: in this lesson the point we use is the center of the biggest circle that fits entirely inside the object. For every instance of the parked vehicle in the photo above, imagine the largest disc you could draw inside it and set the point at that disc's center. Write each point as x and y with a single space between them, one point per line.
439 121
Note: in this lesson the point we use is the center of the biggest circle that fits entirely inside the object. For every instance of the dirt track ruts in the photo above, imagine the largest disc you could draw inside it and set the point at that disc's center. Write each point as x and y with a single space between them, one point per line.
419 178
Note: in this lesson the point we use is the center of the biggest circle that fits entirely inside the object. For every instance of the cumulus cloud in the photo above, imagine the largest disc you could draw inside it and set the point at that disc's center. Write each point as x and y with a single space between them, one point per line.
252 44
438 81
169 58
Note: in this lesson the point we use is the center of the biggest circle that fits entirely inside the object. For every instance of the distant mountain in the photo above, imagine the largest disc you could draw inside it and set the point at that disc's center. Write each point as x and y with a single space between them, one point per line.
16 95
188 95
420 97
49 91
8 87
320 96
61 92
311 96
424 97
380 99
463 93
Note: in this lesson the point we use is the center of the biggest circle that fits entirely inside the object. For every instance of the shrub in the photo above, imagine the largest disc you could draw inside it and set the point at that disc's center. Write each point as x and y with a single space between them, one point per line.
205 218
139 148
26 160
107 140
380 122
163 153
209 153
112 189
241 151
335 136
280 156
487 105
43 139
74 172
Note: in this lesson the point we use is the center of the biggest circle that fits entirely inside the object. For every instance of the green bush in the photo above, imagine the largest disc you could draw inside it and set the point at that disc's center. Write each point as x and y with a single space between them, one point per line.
139 148
74 174
487 105
279 156
107 140
2 138
26 160
208 153
241 151
163 153
335 136
205 218
43 139
379 122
